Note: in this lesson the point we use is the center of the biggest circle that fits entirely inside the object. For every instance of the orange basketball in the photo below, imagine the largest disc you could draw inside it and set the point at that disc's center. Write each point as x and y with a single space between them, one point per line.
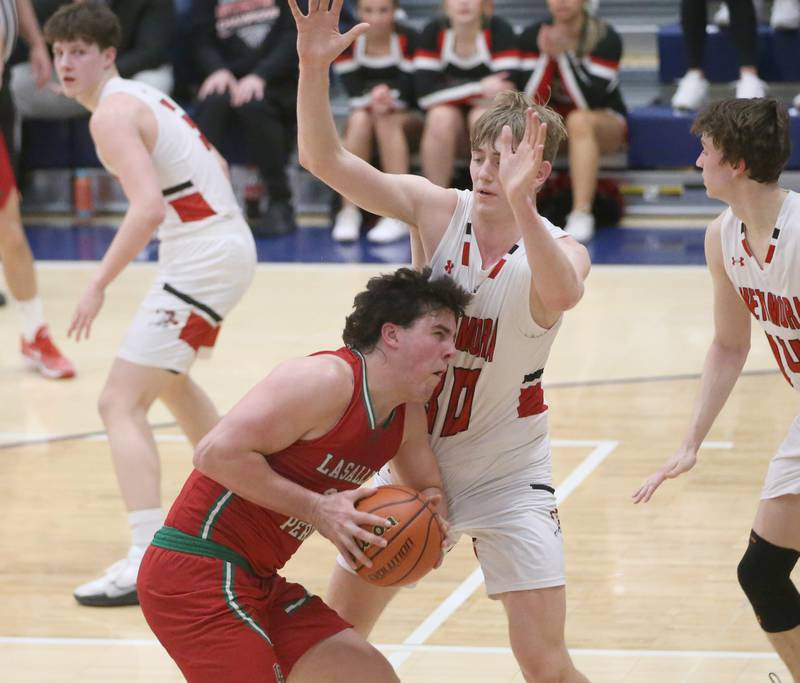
414 538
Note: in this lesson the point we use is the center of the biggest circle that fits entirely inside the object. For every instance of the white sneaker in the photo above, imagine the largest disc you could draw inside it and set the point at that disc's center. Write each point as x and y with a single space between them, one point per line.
692 92
347 227
750 85
116 587
722 17
387 230
785 15
580 225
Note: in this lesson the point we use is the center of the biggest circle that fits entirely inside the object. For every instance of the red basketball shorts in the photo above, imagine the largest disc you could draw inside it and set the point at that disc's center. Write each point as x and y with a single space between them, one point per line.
219 622
7 181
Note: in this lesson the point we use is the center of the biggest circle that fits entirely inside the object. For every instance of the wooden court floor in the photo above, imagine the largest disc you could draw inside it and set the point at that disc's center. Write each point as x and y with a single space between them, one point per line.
652 592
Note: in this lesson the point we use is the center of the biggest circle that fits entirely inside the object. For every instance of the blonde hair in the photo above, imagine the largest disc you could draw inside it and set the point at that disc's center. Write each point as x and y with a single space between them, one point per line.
508 109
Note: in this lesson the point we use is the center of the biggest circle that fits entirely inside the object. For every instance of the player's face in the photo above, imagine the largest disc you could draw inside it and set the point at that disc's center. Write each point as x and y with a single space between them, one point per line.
565 10
428 347
80 66
464 12
717 174
484 164
379 14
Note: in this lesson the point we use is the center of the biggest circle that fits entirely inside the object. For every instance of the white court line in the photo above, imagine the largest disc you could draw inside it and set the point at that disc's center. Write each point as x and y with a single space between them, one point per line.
602 449
390 647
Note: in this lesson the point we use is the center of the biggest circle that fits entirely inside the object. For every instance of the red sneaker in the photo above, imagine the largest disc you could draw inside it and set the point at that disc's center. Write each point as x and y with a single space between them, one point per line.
42 354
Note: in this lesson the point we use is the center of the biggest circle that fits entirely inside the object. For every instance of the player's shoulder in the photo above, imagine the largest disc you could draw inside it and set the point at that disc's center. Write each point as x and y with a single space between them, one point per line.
116 108
713 240
320 382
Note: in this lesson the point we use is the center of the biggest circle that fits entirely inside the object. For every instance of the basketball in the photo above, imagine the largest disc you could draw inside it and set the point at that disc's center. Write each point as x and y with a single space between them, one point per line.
414 538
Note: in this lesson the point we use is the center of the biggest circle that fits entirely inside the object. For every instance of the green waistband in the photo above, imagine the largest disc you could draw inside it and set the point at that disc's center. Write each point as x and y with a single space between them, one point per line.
174 539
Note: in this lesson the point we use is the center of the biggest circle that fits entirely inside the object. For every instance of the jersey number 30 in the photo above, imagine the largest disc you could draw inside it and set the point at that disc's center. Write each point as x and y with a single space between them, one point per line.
459 407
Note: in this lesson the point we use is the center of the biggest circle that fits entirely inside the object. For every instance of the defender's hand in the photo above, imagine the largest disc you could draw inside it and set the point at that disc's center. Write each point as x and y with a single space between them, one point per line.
318 39
683 460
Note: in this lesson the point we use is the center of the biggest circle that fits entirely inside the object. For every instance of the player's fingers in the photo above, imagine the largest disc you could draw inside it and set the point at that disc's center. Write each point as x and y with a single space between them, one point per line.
505 141
363 492
295 10
355 32
353 552
369 519
313 6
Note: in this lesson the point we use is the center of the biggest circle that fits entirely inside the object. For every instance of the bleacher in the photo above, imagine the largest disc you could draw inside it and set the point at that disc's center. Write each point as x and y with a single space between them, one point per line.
661 150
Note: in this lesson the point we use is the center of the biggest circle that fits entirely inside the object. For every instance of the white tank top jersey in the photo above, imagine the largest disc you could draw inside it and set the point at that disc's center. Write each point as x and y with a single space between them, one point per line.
489 417
771 292
197 191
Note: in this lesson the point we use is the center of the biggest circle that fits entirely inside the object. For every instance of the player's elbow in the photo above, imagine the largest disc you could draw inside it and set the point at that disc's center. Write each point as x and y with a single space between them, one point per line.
151 211
209 453
563 299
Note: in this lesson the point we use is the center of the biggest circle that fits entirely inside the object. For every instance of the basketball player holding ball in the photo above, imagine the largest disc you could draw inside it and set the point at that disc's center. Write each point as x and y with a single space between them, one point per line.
487 418
288 459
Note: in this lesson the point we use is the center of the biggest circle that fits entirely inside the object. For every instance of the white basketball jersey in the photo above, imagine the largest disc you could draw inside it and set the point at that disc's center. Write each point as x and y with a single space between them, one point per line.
488 417
195 188
771 292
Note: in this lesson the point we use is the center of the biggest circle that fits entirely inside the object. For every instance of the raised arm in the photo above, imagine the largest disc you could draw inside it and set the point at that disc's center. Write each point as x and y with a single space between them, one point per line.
412 199
117 130
723 365
300 399
558 266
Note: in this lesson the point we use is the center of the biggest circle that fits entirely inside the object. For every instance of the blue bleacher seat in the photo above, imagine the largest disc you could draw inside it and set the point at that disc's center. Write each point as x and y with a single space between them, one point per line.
777 55
660 138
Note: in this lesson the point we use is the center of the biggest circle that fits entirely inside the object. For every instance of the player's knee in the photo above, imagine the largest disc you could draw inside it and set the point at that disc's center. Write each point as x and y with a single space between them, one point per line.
579 122
545 666
764 575
12 240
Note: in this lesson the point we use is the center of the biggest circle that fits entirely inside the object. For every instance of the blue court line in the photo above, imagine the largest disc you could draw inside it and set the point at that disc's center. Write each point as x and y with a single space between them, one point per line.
621 246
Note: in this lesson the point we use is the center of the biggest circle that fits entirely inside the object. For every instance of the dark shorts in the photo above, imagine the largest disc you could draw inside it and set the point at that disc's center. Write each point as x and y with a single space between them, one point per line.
219 622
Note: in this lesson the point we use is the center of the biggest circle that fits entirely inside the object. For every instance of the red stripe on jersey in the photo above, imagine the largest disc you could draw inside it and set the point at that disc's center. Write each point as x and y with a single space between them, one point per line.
746 247
199 332
770 253
505 53
527 54
487 36
344 57
465 254
430 54
167 104
604 62
496 269
531 401
192 207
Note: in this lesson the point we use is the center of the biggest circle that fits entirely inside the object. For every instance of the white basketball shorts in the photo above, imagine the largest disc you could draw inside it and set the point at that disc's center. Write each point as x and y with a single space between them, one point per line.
200 279
783 475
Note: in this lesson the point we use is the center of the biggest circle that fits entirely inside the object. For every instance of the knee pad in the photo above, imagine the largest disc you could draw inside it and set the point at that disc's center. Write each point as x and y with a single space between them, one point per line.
764 576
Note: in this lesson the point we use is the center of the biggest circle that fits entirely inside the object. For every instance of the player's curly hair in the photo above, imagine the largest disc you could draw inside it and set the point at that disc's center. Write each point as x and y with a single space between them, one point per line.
91 21
755 131
401 298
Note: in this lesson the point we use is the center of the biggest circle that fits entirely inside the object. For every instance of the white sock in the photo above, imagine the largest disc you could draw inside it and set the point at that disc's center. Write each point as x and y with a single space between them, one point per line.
144 524
31 317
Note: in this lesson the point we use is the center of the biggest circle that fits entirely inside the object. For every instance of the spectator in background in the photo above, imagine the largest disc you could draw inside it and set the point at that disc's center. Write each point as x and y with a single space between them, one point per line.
36 346
571 61
377 73
463 60
692 90
247 56
143 55
785 14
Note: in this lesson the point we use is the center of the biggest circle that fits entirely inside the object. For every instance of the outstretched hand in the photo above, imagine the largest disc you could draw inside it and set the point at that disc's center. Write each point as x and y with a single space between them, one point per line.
319 41
519 168
682 461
